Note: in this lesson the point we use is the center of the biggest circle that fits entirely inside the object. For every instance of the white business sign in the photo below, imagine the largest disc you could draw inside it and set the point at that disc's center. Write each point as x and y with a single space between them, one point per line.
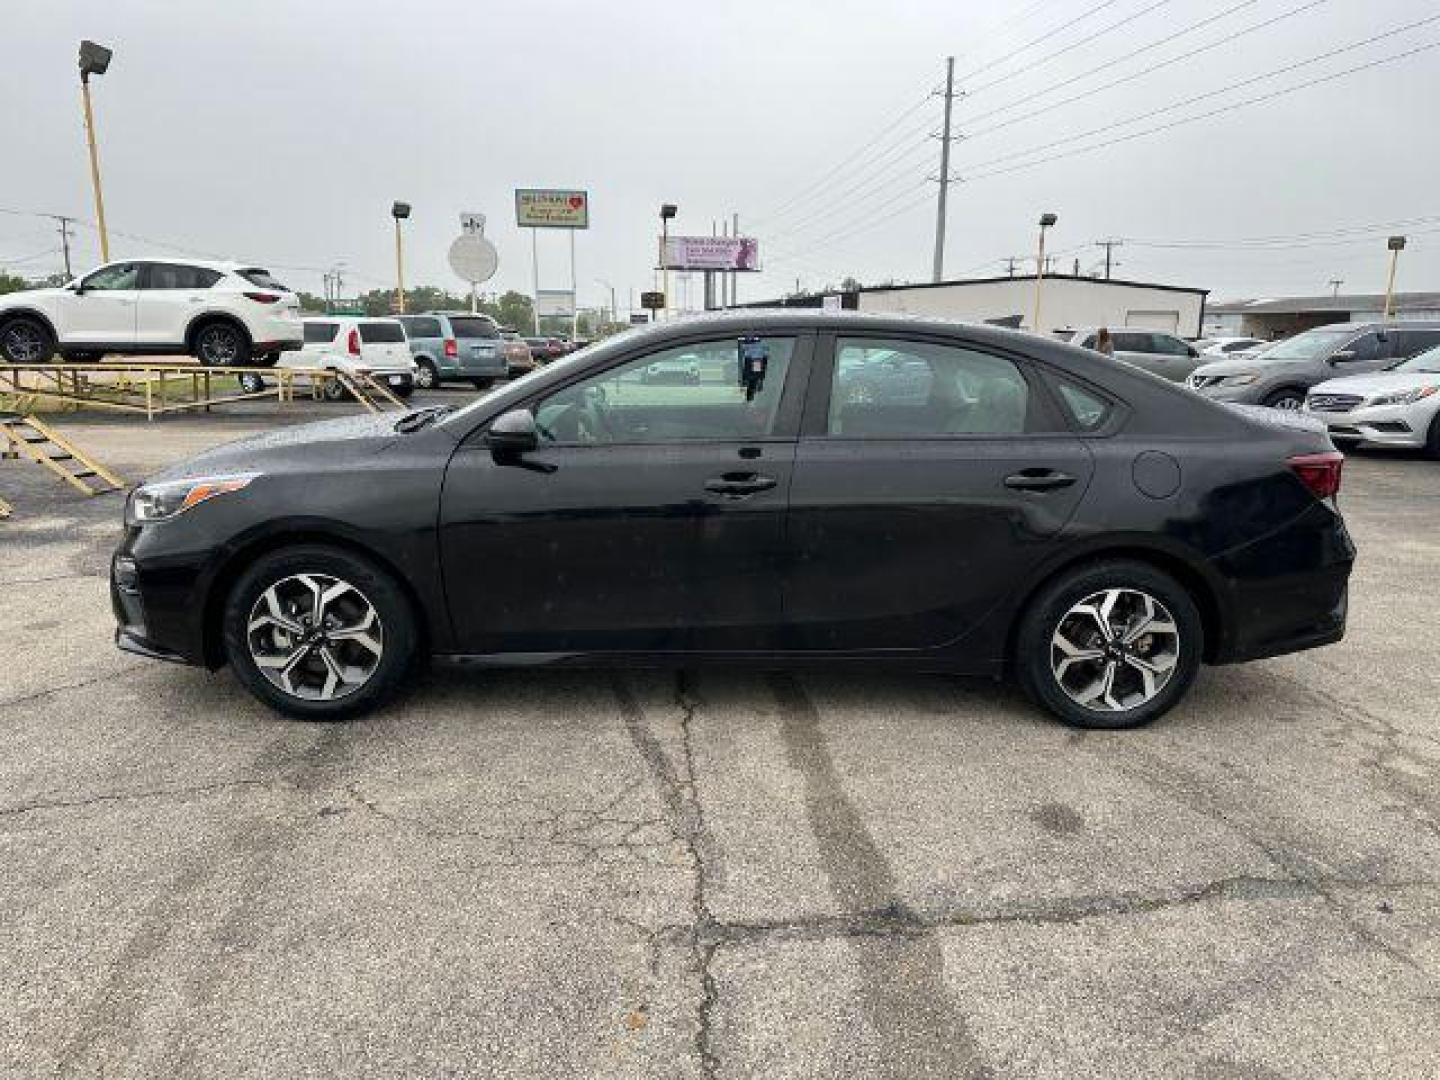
712 253
551 208
555 303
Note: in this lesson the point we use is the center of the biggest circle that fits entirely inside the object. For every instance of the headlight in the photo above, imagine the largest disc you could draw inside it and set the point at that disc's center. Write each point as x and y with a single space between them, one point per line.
163 501
1238 380
1404 397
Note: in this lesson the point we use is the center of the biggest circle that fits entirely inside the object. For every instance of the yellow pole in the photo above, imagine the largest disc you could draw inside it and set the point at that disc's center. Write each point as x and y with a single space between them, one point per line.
1390 285
665 265
1039 277
95 170
399 271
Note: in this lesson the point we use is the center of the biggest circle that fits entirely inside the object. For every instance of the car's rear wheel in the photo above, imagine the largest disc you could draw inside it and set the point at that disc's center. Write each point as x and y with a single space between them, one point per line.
426 377
1287 399
319 633
1109 645
482 384
334 390
24 340
222 344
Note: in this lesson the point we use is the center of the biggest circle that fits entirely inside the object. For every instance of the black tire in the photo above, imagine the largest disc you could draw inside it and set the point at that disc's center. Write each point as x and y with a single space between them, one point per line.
252 382
1432 441
1052 611
482 384
371 587
221 343
334 390
426 377
403 391
1288 399
26 340
267 360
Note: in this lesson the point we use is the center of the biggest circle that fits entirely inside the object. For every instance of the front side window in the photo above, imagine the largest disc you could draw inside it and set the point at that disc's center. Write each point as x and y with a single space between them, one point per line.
422 328
1132 341
113 278
381 332
690 392
914 389
1167 345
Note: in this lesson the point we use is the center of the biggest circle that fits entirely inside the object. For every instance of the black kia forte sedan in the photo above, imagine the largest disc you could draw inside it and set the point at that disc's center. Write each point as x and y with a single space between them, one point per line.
1011 505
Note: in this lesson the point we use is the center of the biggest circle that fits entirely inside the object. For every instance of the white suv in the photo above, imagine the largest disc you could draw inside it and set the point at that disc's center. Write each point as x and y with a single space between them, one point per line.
354 345
227 314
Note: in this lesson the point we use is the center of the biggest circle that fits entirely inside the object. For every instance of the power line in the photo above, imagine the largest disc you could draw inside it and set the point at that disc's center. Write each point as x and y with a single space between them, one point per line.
1212 94
1191 54
1283 238
1093 10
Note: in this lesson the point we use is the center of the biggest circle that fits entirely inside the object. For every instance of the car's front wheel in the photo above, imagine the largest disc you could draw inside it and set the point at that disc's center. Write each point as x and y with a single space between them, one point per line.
222 344
319 633
1109 645
252 382
24 340
1289 400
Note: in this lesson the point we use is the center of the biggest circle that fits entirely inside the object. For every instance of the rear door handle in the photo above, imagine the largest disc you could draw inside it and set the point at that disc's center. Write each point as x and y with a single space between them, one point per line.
1038 480
739 485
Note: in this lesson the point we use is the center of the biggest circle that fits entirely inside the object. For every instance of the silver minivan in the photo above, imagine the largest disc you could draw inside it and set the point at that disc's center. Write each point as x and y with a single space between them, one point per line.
1156 351
1280 375
455 345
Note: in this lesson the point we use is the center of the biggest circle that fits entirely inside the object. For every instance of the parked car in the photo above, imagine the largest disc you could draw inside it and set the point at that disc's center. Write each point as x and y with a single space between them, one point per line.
449 346
1043 512
1280 375
1156 351
1399 406
222 313
1219 347
545 349
376 347
518 358
673 369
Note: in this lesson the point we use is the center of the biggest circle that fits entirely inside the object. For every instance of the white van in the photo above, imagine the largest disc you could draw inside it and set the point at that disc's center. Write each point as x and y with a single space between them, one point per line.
350 343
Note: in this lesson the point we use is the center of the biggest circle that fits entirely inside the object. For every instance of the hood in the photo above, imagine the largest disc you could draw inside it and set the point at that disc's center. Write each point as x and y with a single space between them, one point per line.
1379 382
349 440
1246 365
30 297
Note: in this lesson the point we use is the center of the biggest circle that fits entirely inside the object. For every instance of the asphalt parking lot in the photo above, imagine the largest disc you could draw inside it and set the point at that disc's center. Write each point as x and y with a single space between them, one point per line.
565 874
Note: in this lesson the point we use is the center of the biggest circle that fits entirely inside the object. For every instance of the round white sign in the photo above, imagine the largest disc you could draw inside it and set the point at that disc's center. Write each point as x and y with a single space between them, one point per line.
473 258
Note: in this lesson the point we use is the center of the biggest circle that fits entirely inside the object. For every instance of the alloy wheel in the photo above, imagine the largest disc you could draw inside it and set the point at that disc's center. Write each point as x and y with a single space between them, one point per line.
1115 650
425 377
219 345
315 637
24 343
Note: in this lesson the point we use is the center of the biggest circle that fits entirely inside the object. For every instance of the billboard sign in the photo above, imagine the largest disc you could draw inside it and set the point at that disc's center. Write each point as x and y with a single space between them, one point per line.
712 253
555 304
548 208
652 301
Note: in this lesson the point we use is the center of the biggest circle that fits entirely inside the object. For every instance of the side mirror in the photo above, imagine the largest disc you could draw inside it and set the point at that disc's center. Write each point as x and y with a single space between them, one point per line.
77 287
512 434
1343 356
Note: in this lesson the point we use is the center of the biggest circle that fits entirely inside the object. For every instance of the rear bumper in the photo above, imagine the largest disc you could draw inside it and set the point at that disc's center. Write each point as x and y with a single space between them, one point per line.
279 345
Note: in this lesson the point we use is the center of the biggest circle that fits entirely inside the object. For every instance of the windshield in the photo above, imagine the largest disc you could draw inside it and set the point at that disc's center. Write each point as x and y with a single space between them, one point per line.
1311 345
1427 362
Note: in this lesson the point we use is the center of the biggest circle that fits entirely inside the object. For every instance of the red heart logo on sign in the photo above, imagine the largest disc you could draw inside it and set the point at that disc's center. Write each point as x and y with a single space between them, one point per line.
577 201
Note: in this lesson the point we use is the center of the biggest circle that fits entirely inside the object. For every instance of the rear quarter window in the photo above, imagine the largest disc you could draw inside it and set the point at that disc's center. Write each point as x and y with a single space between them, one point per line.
320 333
471 328
1087 409
261 279
381 332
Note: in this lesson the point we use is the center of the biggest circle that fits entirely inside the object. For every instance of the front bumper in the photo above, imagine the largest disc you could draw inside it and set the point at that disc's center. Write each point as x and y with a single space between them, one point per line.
1230 395
155 611
1380 425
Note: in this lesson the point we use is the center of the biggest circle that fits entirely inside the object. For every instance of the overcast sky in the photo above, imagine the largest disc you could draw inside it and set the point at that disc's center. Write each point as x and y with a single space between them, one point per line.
280 132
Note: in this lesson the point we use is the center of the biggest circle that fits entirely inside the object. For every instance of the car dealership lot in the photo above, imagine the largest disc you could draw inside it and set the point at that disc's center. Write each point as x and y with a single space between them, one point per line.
713 874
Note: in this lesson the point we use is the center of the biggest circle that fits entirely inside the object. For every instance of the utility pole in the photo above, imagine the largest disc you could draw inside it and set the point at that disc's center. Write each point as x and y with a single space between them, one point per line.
734 274
1396 244
939 269
1010 266
1109 246
1335 284
65 242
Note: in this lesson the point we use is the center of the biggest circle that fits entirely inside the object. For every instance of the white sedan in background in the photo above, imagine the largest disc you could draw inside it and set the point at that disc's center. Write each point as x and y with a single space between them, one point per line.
354 345
1397 407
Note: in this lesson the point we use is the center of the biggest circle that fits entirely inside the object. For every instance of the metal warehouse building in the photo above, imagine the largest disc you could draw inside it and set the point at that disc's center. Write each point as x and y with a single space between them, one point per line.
1065 301
1283 316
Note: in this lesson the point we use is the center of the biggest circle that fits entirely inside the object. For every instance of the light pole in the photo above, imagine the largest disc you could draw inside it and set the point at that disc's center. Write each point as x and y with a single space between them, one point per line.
1046 220
400 211
94 60
667 211
614 311
1396 245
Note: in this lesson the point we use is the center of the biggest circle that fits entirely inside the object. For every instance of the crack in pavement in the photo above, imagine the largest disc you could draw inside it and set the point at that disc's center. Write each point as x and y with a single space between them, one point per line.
126 796
123 673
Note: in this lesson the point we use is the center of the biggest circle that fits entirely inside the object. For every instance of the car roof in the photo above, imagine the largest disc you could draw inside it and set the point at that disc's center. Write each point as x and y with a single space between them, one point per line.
460 314
1379 324
349 318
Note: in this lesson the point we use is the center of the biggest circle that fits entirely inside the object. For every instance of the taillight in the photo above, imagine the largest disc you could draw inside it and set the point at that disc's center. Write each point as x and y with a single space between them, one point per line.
452 350
354 343
263 297
1319 472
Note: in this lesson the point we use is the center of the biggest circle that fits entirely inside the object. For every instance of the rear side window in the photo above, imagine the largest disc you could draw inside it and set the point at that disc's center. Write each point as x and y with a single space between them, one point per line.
381 332
1132 341
176 276
422 328
320 333
471 328
261 279
1168 345
885 388
1088 409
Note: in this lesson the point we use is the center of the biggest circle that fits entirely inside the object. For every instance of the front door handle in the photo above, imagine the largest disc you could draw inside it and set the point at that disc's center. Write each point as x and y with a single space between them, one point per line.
1038 480
735 485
